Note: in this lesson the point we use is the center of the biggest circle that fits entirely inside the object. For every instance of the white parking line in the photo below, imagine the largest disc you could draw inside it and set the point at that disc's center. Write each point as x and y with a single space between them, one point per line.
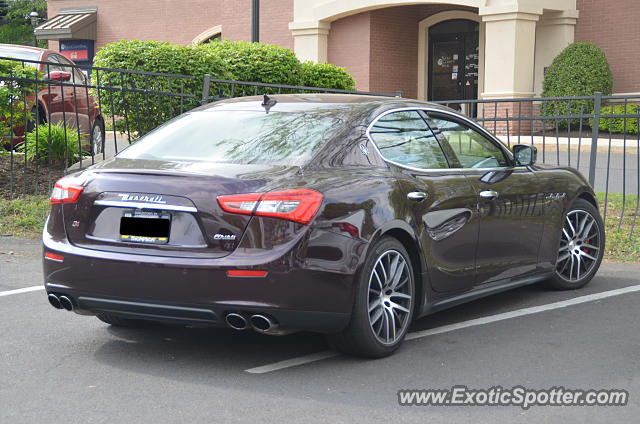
325 354
23 290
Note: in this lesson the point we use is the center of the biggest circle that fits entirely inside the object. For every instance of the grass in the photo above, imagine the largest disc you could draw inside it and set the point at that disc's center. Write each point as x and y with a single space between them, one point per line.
620 245
24 217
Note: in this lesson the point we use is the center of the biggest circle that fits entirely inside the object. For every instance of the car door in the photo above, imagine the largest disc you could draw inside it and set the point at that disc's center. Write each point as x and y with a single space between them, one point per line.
51 93
78 95
438 201
509 206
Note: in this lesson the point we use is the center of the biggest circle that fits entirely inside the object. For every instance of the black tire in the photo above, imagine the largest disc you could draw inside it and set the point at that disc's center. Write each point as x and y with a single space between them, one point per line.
120 322
36 115
359 338
595 239
97 136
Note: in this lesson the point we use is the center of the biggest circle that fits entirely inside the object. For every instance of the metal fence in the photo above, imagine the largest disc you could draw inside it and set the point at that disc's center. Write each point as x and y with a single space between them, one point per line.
598 135
65 118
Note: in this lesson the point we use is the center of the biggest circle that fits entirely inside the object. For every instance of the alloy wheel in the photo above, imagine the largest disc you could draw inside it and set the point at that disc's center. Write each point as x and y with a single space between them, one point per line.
580 246
389 297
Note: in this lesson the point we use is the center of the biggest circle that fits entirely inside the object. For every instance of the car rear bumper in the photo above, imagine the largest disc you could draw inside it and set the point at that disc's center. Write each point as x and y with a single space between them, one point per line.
197 292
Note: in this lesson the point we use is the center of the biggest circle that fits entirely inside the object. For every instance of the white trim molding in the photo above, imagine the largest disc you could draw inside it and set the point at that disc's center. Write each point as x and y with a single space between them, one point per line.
207 34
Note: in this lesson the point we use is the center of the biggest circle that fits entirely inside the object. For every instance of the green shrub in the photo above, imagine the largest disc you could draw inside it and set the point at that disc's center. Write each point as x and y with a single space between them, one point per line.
142 112
581 69
257 62
326 75
13 93
37 148
617 125
231 60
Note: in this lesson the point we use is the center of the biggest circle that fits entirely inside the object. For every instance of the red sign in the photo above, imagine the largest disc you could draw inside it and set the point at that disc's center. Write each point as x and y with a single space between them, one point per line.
75 54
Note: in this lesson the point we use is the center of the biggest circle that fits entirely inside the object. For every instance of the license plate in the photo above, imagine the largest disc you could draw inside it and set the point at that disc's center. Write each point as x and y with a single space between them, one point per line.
145 227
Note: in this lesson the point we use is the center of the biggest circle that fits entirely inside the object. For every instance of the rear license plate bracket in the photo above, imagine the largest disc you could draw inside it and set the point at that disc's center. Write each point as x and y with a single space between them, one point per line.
142 226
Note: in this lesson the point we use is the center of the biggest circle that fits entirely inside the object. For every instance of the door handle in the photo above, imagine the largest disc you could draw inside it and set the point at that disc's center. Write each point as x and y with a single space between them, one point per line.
488 194
417 196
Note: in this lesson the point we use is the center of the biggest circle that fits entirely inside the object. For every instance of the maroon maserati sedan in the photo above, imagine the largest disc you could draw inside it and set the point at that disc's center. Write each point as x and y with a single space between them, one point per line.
341 214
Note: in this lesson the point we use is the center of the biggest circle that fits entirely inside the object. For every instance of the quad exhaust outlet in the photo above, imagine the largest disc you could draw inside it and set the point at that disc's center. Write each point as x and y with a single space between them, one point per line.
60 302
258 322
237 321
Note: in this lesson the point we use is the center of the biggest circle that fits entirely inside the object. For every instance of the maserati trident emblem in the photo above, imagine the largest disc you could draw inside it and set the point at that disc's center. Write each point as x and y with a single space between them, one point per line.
141 198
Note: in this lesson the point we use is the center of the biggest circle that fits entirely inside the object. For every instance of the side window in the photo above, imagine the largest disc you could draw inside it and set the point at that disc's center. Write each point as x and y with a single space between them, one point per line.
53 64
471 148
405 138
78 74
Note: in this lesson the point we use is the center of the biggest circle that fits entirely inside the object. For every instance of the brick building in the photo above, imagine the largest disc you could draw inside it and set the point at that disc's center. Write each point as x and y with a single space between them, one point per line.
429 49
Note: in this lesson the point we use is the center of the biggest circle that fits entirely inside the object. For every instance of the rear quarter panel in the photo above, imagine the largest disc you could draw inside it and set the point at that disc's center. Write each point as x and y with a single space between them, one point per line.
559 187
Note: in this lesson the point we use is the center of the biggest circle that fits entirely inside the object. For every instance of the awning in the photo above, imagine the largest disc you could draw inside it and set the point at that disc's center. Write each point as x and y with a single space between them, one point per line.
73 23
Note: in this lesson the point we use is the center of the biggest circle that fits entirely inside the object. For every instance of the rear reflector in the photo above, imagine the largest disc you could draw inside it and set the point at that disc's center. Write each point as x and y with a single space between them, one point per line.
66 191
245 273
299 205
54 257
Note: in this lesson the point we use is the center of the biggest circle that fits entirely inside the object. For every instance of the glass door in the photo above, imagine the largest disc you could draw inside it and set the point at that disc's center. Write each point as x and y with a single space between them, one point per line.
453 61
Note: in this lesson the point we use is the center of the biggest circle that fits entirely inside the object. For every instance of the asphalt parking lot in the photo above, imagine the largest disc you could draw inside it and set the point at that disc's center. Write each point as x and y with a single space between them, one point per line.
57 366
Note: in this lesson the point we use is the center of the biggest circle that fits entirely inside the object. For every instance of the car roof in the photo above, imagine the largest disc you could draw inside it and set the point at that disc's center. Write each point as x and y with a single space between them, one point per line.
313 101
19 48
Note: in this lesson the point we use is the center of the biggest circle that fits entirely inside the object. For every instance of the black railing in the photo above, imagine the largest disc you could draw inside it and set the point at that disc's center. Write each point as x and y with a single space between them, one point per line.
125 104
598 135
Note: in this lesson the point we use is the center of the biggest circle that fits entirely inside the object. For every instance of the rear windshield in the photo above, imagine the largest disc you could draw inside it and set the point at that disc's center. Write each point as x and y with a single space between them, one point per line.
242 137
21 54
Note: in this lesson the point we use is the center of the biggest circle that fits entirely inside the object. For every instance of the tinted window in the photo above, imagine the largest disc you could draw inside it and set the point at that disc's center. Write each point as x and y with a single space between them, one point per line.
471 148
237 137
404 137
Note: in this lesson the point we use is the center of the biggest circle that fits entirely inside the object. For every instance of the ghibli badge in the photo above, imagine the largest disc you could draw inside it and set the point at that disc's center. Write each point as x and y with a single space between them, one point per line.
224 237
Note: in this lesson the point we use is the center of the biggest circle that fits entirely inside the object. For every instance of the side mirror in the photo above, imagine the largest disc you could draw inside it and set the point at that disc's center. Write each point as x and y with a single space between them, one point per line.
525 155
58 76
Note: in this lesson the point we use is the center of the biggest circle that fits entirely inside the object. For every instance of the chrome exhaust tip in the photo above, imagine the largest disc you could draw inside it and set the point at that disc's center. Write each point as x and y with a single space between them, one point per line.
263 324
54 301
236 321
66 303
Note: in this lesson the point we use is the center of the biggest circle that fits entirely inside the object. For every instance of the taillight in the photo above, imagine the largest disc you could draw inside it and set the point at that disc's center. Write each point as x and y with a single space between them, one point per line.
66 191
299 205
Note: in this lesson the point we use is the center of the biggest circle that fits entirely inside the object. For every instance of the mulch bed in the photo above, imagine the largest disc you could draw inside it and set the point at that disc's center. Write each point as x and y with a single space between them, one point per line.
19 174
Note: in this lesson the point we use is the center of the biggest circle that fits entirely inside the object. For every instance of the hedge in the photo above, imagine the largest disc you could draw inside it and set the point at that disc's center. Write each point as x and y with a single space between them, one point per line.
617 125
581 69
237 60
326 75
139 111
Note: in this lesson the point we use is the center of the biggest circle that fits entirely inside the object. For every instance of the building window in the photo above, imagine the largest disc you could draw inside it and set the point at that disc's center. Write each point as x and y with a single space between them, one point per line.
209 35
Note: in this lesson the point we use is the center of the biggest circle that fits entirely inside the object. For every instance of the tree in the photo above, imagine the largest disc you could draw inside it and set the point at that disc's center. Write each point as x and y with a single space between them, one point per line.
16 27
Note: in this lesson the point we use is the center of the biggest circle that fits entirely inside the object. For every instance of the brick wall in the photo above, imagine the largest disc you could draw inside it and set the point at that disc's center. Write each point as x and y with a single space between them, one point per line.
394 47
181 21
380 48
348 46
615 27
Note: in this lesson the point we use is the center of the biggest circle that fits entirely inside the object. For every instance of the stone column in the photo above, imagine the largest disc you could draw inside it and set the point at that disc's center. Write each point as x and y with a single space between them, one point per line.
554 32
310 40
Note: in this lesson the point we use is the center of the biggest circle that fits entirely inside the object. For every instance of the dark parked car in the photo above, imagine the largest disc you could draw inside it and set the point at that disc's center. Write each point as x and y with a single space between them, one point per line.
60 96
346 215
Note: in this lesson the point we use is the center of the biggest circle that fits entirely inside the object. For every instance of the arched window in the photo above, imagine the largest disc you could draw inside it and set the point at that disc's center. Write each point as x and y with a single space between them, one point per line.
209 35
